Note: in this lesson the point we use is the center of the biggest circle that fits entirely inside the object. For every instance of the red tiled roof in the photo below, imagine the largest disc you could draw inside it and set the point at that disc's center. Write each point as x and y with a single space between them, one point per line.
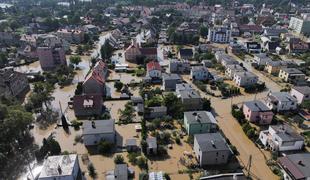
153 65
97 72
148 51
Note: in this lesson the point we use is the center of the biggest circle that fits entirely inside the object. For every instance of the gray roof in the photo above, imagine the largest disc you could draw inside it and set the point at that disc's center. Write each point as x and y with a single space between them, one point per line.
98 127
199 68
234 67
183 86
245 74
292 71
136 99
166 76
131 142
281 96
189 94
121 172
298 165
151 142
286 133
195 117
211 142
158 109
256 106
302 89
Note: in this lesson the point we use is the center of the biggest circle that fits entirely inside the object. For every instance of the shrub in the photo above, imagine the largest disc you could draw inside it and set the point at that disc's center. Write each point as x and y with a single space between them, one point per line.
91 170
132 157
104 147
118 86
177 140
142 163
76 124
119 159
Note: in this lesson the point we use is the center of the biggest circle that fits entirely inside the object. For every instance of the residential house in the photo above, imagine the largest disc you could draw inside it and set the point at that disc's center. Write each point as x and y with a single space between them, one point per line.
274 67
87 105
261 59
257 112
136 100
225 59
13 83
180 67
153 70
253 47
199 73
190 99
292 75
155 112
207 63
119 173
295 166
185 54
198 122
182 87
131 144
94 82
8 38
211 149
63 167
235 48
157 176
98 130
281 138
170 81
72 36
146 37
232 69
134 53
51 57
297 46
272 46
220 34
90 28
245 79
151 145
301 93
281 101
250 28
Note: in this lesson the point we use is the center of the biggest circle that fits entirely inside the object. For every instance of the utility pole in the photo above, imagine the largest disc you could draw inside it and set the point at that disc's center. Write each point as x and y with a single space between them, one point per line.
249 165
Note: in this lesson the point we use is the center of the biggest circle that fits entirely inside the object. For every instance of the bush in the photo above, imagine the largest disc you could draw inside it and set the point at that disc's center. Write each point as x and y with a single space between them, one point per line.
76 124
177 140
91 170
118 86
132 157
78 138
119 159
104 147
142 163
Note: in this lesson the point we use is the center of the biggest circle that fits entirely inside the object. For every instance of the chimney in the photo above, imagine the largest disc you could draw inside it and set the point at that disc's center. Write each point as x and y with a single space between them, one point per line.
93 124
59 170
301 163
213 144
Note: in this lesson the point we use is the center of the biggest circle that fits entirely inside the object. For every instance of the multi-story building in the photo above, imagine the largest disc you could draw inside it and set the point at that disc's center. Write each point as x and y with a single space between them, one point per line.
176 66
281 101
281 138
199 73
292 75
190 99
62 167
13 83
300 25
198 122
301 93
257 112
245 79
295 166
51 57
72 36
219 34
211 149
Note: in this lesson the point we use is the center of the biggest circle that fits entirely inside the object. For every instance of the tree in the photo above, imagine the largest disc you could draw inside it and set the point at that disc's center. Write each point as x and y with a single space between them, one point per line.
119 159
142 163
203 31
79 50
174 105
106 50
41 95
206 104
75 60
104 147
92 171
79 89
118 85
128 113
306 105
